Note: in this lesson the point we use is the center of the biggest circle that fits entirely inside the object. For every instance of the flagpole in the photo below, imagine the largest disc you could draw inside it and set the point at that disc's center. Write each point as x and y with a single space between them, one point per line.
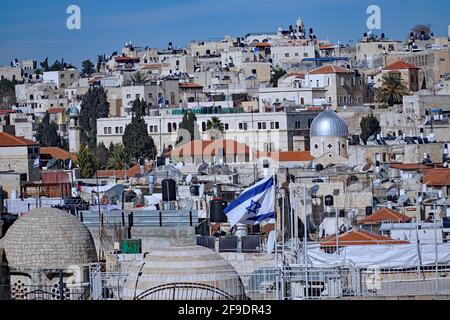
276 237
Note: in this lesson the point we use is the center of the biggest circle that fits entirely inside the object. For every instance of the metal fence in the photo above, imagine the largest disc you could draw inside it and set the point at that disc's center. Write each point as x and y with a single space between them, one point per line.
46 292
296 282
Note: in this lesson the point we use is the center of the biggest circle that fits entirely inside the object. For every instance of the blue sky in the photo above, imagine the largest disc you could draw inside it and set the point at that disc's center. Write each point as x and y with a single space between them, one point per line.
31 29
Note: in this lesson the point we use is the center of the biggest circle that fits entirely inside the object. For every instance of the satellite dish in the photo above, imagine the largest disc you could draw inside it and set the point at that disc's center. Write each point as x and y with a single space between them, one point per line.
271 242
179 165
189 179
203 167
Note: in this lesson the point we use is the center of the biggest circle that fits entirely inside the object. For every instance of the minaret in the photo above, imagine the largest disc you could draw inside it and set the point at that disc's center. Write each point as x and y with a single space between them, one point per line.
300 25
74 130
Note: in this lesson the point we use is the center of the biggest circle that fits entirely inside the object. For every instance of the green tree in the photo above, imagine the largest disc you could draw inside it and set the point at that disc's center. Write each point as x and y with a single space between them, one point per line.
392 89
101 154
93 107
369 127
188 129
421 31
216 125
119 159
87 163
139 79
45 66
47 133
276 75
7 93
57 65
136 139
87 68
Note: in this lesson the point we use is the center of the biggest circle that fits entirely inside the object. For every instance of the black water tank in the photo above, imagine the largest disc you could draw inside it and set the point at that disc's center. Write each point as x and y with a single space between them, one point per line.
169 190
342 213
195 190
390 198
329 201
160 161
319 167
369 211
216 208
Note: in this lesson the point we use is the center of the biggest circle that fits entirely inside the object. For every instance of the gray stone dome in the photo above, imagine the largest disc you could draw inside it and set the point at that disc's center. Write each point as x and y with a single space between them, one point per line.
48 238
328 124
183 273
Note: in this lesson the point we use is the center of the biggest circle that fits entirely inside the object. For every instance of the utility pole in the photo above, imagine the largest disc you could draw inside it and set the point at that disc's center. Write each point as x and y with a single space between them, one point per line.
100 219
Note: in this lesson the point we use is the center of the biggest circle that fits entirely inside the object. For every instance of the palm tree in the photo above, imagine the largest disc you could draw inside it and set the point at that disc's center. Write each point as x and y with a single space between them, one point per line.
216 126
392 89
87 163
139 79
119 159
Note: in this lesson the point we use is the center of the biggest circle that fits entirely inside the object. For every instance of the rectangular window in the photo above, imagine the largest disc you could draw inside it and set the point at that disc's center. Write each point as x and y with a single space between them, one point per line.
72 76
264 125
151 129
117 130
245 126
172 98
128 96
156 128
150 95
63 76
286 55
277 125
121 129
226 126
138 96
240 126
272 125
109 130
259 126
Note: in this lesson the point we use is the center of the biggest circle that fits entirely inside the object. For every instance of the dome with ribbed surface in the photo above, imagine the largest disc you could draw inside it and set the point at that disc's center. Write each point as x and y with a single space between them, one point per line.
183 273
48 238
328 124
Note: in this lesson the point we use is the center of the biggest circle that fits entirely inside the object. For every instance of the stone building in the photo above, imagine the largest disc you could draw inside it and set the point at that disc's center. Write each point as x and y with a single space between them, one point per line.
19 155
329 134
41 244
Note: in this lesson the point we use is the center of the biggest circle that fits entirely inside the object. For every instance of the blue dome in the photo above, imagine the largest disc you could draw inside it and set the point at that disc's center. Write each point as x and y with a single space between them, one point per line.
328 124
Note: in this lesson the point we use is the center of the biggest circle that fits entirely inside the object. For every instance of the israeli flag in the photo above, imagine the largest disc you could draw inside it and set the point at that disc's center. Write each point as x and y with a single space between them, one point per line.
161 102
255 205
37 162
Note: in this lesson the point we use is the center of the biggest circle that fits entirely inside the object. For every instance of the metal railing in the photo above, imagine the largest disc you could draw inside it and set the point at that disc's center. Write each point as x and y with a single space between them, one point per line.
295 282
141 218
47 292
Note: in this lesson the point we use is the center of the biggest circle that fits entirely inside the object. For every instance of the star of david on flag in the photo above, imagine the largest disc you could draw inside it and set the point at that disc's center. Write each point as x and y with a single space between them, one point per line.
254 205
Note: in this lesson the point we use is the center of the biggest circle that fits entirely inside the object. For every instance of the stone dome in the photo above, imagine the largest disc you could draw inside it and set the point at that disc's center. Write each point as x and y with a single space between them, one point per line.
48 238
183 273
328 124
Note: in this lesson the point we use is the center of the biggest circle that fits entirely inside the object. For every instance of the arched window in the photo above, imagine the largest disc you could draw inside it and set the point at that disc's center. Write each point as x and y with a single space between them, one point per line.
174 126
203 126
169 127
302 101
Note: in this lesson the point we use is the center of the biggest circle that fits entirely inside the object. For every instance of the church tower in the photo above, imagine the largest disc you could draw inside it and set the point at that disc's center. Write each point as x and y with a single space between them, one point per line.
74 130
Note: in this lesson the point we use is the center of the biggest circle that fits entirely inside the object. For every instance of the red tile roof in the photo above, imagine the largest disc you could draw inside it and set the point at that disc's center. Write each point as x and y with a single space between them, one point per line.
436 177
288 156
8 140
327 46
359 237
122 173
58 154
408 166
210 148
190 85
399 65
330 69
55 110
387 215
